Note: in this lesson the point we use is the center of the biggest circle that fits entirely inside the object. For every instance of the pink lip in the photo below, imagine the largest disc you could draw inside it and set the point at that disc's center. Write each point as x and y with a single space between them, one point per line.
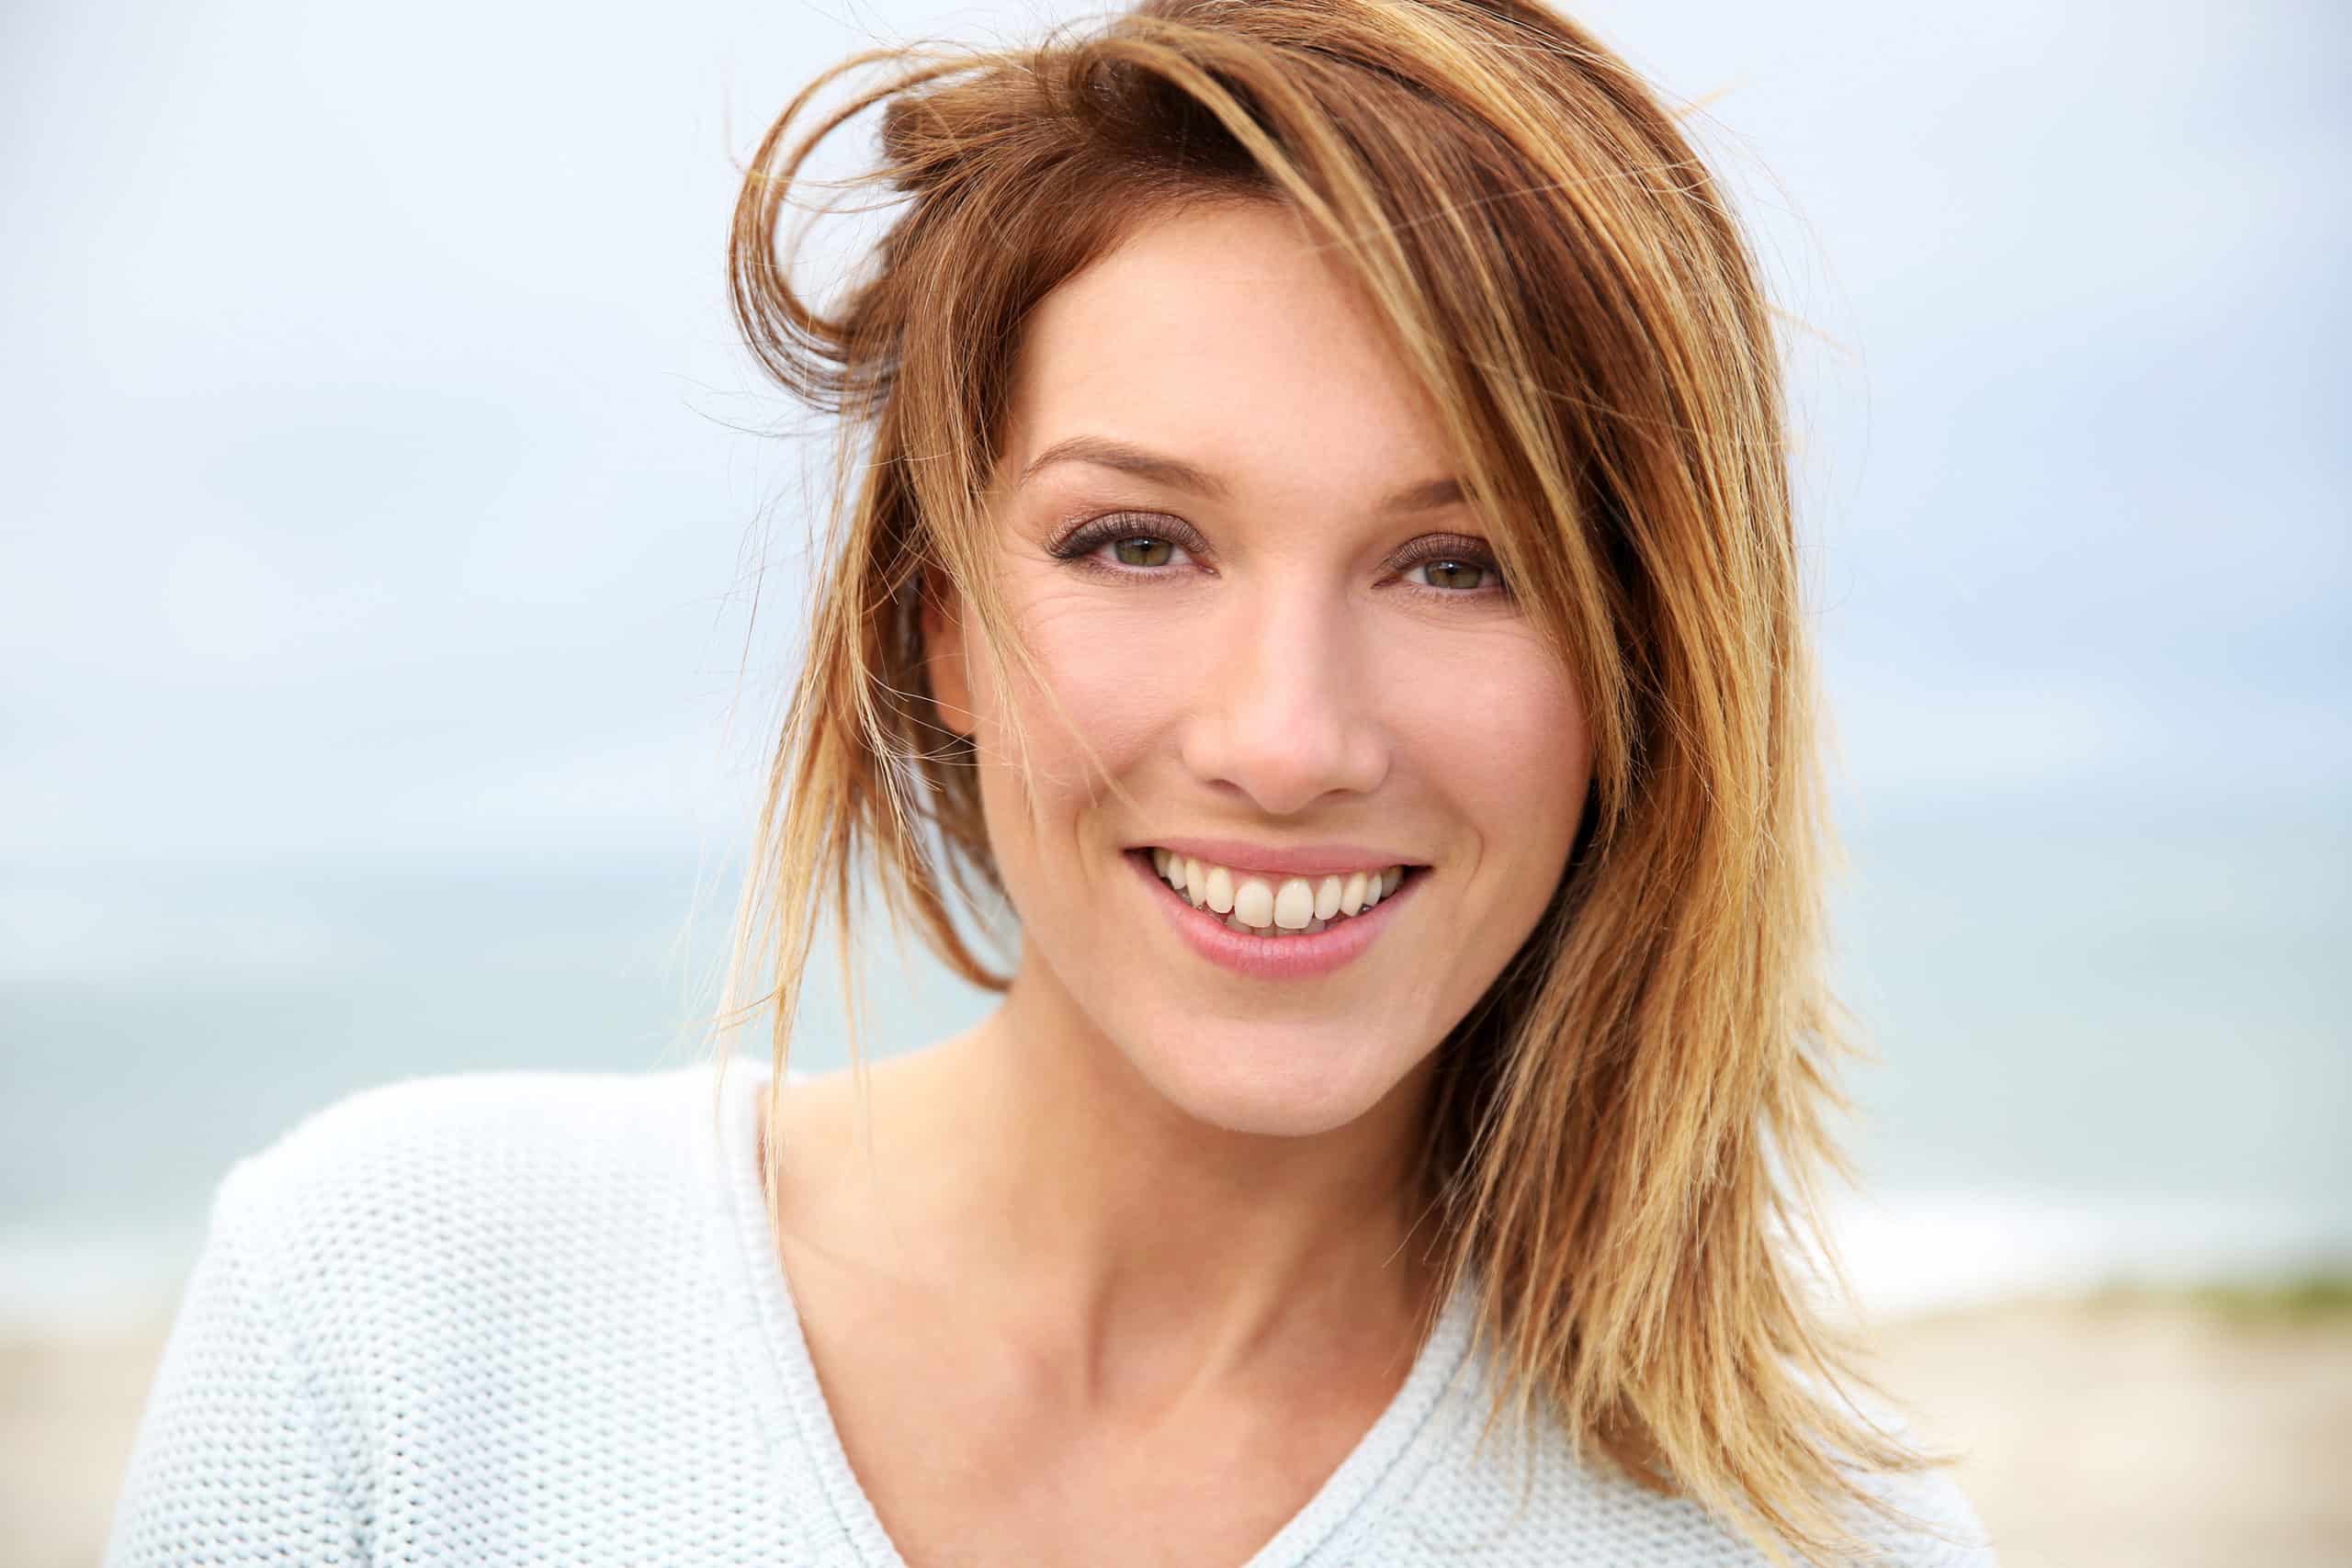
1299 860
1269 957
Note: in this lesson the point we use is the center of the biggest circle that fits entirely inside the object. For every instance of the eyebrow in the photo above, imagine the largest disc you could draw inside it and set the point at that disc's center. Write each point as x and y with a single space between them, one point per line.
1104 452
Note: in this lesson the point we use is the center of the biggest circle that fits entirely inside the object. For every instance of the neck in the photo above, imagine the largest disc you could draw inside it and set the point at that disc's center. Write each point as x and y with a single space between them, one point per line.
1055 1185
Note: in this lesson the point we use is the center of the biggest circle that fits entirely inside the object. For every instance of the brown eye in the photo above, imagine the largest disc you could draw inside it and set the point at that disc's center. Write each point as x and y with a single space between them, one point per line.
1457 575
1135 555
1142 550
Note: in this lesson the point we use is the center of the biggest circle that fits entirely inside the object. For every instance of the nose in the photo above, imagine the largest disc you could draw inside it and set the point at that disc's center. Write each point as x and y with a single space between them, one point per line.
1283 711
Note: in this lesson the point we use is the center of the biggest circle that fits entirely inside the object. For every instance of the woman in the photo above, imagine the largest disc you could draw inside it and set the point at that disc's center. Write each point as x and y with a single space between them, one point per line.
1317 545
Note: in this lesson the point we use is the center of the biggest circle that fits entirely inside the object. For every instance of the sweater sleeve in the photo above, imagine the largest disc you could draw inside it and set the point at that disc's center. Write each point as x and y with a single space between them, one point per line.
233 1462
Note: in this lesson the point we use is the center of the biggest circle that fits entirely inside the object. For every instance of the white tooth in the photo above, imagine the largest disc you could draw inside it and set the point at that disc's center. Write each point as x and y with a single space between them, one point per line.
1314 926
1175 873
1352 893
1327 898
1390 878
1372 891
1220 890
1254 902
1294 904
1159 860
1196 881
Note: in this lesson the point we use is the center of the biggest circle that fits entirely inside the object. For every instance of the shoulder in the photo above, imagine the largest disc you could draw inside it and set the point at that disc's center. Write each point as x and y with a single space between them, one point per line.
1936 1526
426 1208
405 1153
495 1139
541 1106
428 1299
1517 1495
1945 1532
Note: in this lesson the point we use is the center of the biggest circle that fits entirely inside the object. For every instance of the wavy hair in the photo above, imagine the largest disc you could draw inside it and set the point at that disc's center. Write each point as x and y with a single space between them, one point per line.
1629 1128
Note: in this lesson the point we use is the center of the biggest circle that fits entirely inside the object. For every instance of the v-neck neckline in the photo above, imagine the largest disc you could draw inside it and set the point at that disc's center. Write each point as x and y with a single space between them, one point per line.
1378 1470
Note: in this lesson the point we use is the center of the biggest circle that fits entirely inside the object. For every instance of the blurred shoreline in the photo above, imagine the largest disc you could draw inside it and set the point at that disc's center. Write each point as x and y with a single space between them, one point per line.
1907 1253
2181 1425
2159 1426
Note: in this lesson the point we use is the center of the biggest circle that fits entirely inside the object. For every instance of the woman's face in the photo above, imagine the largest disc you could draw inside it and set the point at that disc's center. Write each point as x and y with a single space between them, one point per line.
1224 528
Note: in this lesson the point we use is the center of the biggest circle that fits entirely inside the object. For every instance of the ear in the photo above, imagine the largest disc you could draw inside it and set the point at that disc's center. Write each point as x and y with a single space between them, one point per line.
943 665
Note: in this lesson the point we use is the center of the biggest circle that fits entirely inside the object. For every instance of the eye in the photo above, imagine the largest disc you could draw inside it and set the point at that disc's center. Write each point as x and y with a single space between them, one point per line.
1452 574
1141 550
1451 567
1137 545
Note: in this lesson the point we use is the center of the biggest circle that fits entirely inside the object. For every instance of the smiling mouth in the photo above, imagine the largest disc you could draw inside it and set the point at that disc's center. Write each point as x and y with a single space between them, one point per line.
1276 906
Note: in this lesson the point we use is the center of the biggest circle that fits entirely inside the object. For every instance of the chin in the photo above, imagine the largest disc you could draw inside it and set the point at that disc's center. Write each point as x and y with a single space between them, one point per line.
1268 1081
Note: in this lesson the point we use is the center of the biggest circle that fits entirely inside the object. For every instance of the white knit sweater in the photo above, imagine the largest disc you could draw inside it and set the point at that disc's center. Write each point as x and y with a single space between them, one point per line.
537 1318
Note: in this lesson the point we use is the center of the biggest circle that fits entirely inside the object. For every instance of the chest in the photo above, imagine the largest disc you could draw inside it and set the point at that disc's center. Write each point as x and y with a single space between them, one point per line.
971 1453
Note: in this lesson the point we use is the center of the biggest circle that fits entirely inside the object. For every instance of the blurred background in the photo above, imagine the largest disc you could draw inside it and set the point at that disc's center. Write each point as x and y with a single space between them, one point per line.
399 568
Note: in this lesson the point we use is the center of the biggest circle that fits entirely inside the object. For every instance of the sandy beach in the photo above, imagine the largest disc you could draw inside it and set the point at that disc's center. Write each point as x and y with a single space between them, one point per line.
68 1407
2146 1431
2141 1431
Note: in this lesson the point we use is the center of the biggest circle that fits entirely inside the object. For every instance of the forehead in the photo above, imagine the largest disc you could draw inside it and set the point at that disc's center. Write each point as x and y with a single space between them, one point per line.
1223 335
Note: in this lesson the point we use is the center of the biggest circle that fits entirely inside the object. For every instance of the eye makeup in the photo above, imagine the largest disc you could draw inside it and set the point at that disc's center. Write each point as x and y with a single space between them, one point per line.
1077 544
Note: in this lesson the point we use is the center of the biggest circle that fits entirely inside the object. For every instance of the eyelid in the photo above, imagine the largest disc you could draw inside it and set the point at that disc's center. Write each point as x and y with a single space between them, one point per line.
1091 532
1445 547
1095 530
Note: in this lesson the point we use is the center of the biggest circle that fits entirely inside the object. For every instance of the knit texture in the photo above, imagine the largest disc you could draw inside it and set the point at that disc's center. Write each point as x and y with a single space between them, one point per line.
537 1318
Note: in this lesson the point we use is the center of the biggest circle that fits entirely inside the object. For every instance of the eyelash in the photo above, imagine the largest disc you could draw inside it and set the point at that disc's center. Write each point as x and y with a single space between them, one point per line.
1079 545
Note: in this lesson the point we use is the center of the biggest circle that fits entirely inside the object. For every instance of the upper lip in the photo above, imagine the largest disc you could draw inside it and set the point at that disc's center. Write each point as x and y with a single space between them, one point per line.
1293 860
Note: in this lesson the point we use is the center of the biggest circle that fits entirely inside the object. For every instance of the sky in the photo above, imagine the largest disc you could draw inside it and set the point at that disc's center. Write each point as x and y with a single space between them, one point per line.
381 475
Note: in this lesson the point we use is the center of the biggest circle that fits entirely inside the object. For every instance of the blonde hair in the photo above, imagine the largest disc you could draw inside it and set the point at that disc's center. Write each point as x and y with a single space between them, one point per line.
1629 1127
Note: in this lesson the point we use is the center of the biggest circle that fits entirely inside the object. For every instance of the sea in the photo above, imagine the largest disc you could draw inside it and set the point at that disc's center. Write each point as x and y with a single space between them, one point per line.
2108 1046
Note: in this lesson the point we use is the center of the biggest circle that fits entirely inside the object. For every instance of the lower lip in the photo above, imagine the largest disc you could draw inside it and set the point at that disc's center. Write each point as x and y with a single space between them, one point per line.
1271 957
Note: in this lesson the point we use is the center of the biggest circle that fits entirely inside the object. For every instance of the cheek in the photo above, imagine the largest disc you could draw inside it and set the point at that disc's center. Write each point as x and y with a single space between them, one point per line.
1117 682
1115 666
1496 724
